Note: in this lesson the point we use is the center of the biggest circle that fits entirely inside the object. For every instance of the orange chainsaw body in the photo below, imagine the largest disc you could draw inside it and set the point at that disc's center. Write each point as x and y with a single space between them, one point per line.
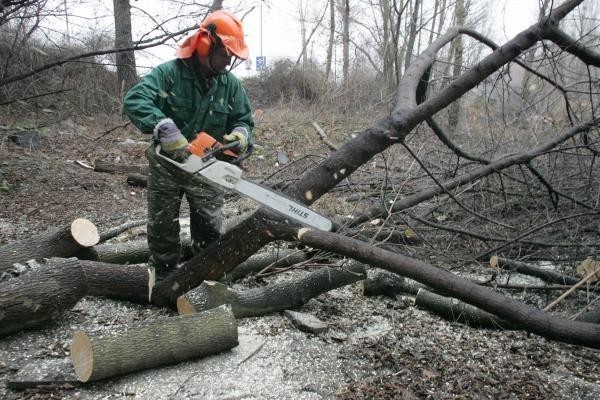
204 144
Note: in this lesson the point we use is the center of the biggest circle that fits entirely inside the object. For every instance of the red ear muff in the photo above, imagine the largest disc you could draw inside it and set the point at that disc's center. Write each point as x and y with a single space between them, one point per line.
205 43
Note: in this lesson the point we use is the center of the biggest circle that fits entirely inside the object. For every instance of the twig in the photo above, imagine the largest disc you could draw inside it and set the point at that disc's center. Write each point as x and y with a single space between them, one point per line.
443 187
252 354
568 292
114 128
83 164
324 137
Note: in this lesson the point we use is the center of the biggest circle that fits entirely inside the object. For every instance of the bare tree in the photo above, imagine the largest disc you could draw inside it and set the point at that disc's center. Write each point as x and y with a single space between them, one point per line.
331 40
126 69
345 40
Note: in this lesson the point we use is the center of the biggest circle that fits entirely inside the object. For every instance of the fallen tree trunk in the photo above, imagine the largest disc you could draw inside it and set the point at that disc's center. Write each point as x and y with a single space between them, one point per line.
59 242
272 298
105 166
459 311
511 310
119 282
152 343
41 296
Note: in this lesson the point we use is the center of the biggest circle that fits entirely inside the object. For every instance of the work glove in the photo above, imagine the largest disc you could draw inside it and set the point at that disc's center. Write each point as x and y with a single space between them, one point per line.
240 134
172 142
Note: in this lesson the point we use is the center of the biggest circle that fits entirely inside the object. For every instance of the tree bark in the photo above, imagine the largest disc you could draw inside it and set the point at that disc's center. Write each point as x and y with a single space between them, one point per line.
272 298
41 296
119 282
152 343
58 242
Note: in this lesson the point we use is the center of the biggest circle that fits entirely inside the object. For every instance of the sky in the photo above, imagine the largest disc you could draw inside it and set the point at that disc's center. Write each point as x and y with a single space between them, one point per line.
276 31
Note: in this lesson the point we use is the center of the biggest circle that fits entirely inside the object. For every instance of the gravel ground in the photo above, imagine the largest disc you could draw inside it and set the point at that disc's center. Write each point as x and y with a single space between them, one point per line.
376 347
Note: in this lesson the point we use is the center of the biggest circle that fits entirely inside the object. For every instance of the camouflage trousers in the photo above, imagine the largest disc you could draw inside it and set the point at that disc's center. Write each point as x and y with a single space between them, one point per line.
167 185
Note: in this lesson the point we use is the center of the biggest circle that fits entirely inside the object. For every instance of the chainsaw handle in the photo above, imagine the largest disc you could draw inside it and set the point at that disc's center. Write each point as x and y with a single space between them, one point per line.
242 157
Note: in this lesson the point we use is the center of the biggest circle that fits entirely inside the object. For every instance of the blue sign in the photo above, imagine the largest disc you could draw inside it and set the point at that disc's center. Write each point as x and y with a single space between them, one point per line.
261 63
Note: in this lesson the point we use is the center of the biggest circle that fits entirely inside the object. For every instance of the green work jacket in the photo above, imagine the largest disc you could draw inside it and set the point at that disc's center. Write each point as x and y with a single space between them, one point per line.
172 90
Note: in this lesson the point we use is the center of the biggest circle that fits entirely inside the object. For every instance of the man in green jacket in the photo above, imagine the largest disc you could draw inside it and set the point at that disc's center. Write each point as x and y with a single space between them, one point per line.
174 102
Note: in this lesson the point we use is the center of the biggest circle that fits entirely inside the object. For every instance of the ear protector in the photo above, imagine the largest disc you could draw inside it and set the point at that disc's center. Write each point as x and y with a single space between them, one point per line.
208 40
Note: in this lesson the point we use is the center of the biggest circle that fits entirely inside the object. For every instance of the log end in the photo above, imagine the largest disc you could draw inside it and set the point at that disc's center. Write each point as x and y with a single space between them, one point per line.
151 282
184 306
85 232
82 356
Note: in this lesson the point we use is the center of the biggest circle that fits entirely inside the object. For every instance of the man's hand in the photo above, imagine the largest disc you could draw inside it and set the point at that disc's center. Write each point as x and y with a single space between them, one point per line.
241 135
172 142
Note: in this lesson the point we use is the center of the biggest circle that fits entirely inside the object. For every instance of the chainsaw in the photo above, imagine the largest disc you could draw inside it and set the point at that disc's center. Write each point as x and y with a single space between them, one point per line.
214 163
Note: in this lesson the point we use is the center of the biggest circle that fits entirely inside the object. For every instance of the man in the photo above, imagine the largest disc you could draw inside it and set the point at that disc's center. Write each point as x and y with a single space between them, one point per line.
175 101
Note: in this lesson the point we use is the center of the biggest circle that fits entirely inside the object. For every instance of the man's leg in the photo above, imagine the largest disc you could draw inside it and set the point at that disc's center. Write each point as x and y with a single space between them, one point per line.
164 202
206 204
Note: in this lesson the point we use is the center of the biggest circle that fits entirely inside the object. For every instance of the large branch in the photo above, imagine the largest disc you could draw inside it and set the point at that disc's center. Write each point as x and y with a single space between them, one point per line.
571 45
511 310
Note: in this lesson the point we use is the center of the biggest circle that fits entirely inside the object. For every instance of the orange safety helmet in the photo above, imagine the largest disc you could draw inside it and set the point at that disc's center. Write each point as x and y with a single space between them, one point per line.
219 28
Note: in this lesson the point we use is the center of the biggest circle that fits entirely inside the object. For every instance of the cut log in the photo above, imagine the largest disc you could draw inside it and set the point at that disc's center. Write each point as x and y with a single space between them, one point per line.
41 296
119 282
386 283
140 180
152 343
105 166
459 311
272 298
58 242
132 252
